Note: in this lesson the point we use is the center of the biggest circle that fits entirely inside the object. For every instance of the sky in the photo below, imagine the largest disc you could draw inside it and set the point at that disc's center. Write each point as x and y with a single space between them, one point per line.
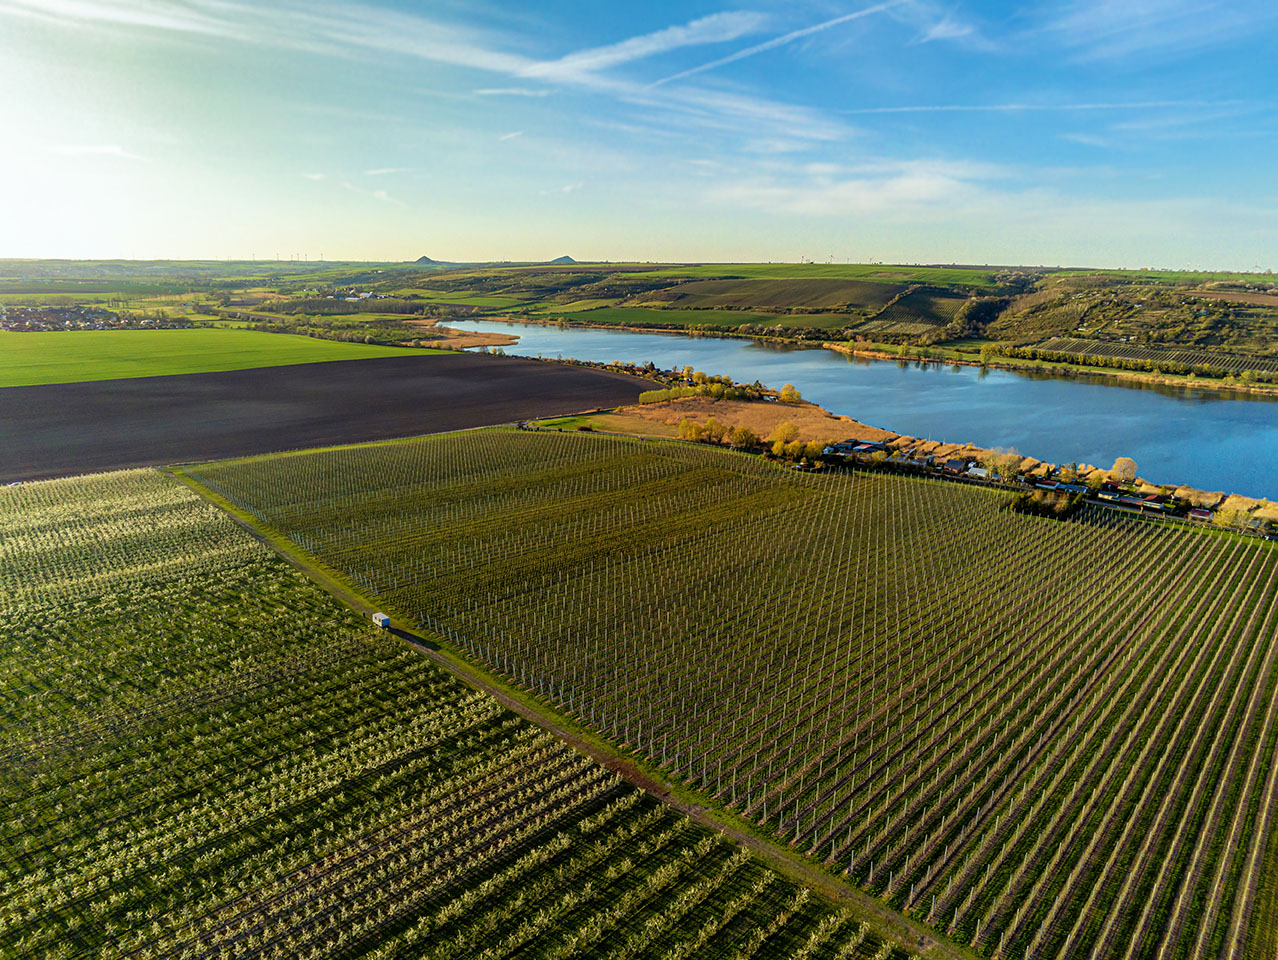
1055 132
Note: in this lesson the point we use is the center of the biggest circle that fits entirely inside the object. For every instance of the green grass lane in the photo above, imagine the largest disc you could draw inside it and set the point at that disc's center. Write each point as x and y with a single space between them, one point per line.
27 359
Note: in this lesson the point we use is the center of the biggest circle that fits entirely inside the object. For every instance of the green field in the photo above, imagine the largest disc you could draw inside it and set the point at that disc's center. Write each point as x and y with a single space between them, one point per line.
460 299
205 755
1047 739
648 317
75 356
888 273
1170 276
819 293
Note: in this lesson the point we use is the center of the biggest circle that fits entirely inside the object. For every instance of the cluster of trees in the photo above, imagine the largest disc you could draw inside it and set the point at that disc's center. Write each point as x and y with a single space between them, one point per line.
1048 503
1002 463
786 444
717 388
1241 520
351 331
716 391
783 442
1123 470
327 306
712 431
792 333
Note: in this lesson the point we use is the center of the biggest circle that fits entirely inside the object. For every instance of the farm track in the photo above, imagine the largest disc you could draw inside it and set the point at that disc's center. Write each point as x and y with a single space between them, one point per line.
1056 791
261 774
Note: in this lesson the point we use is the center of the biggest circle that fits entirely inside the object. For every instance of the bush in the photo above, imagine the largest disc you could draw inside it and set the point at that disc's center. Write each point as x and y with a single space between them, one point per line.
1043 503
743 438
786 431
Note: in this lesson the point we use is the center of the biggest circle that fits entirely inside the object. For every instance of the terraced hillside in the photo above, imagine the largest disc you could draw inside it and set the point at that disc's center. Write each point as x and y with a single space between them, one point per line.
1048 739
206 756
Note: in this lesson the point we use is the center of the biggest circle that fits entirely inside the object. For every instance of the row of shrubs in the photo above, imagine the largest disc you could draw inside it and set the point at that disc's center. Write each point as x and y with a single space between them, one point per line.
1142 365
716 391
719 390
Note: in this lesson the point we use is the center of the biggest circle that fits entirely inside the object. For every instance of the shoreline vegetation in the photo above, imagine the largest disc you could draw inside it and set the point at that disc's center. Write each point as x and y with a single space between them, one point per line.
922 354
781 425
1146 328
1208 331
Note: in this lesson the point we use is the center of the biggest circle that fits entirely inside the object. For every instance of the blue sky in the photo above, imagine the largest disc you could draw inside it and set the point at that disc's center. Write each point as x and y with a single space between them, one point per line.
1055 132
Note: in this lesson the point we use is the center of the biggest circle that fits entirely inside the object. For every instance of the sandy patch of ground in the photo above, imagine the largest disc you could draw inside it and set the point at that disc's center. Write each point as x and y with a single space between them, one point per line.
1267 511
462 339
1199 498
1240 503
813 422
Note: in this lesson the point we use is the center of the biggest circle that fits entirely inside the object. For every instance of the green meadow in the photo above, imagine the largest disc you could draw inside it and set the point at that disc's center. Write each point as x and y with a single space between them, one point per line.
644 317
27 359
890 273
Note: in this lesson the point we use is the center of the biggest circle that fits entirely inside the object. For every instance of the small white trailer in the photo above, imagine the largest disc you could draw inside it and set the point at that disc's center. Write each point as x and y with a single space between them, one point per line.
381 620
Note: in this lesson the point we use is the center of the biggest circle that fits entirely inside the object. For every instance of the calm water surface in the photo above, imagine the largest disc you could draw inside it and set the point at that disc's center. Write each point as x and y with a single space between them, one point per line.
1210 440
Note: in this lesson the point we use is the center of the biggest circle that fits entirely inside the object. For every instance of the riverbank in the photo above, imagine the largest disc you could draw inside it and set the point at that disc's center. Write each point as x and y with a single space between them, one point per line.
1063 370
448 338
932 354
674 331
813 431
1209 439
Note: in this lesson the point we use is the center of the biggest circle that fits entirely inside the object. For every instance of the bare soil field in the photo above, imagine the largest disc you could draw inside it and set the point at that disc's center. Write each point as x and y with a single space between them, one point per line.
63 429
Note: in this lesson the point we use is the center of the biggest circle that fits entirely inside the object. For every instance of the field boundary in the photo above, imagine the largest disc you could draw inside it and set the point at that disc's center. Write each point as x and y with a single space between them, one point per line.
908 933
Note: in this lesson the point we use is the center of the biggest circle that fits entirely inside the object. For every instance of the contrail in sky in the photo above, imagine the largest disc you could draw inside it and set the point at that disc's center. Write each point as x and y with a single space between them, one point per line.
778 41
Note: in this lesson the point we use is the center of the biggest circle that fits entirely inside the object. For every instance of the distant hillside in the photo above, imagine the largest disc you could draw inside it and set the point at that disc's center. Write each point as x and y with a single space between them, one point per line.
172 270
563 259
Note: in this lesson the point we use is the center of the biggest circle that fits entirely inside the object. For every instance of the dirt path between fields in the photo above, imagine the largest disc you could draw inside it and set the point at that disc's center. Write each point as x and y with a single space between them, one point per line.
787 861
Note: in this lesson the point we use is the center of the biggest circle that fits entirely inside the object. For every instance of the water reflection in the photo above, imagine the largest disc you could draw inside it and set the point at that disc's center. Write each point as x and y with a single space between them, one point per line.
1211 439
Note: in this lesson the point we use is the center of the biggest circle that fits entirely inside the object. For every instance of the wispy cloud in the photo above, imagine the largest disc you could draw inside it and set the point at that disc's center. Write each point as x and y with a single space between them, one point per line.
512 92
947 28
316 177
1044 107
560 191
510 136
891 189
95 150
937 21
360 29
780 41
716 28
322 26
149 14
386 171
761 118
1103 29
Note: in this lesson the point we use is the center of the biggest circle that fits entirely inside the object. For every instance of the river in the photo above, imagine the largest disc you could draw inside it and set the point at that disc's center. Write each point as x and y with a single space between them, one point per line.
1212 440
